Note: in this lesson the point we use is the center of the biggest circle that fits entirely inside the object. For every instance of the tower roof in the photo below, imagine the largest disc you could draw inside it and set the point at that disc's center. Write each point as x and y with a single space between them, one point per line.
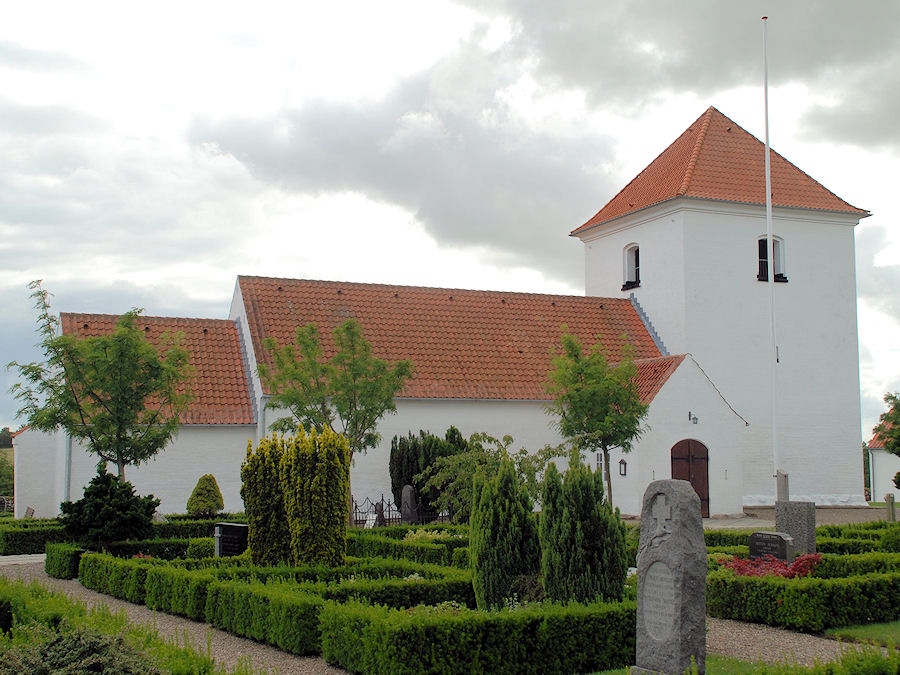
715 159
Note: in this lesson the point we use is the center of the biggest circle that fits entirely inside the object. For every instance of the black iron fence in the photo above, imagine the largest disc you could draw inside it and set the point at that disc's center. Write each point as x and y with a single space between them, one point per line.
383 512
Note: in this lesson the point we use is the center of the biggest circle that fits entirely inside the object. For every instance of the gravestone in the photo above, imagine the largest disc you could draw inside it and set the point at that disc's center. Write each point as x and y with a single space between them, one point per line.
798 519
782 493
671 609
230 539
380 520
776 544
408 512
891 508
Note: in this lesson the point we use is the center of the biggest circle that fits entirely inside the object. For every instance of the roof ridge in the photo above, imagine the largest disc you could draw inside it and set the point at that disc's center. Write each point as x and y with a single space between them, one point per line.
695 153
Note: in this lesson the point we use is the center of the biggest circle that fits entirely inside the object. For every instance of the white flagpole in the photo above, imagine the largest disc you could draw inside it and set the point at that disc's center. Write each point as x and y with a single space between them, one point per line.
770 246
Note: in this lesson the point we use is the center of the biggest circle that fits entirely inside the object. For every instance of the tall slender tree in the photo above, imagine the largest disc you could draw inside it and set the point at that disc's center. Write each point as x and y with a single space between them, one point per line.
118 393
596 403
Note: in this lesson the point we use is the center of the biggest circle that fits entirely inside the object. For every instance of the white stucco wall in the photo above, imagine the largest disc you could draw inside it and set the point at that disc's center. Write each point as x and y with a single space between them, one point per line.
702 296
883 466
170 476
719 428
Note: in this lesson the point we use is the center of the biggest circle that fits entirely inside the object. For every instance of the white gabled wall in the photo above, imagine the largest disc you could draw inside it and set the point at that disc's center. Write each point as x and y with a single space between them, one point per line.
699 289
719 428
883 467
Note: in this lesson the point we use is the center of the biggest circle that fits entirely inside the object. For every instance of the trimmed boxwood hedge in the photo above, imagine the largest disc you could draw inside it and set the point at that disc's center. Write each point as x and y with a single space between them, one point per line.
22 537
366 545
539 639
62 560
810 604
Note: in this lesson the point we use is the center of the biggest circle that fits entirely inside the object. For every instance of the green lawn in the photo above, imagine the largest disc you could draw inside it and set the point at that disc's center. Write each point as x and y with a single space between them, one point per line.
715 665
879 633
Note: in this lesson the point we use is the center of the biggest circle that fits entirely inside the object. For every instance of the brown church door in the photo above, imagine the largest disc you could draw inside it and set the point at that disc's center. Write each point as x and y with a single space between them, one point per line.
690 462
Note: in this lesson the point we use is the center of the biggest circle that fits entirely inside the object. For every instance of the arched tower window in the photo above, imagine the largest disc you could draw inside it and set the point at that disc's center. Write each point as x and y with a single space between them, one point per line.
763 248
632 267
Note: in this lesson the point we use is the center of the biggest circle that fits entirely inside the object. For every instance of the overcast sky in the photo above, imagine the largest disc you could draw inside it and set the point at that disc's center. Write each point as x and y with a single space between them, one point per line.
151 155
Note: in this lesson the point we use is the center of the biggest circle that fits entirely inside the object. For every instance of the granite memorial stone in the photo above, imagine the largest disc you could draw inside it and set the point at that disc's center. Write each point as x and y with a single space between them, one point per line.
798 519
230 539
891 508
408 513
776 544
671 606
380 520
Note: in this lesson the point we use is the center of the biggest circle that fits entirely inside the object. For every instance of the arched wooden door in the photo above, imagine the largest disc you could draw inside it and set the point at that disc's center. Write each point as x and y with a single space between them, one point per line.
690 462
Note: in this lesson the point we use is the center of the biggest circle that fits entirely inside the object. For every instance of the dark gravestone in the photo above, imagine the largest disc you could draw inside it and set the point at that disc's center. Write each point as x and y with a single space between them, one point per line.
380 520
776 544
671 610
230 539
408 512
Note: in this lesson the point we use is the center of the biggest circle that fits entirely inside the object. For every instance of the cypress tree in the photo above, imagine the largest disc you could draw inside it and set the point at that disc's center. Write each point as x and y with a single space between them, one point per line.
503 536
268 535
412 455
582 539
315 477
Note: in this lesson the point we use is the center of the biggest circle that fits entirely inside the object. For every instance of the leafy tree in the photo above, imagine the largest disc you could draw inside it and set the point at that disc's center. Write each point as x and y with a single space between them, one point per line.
206 499
450 477
115 392
109 511
347 394
582 538
597 403
7 474
503 538
889 424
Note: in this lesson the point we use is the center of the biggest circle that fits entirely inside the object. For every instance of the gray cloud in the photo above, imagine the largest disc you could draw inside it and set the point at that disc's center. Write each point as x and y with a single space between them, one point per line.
44 120
879 286
470 181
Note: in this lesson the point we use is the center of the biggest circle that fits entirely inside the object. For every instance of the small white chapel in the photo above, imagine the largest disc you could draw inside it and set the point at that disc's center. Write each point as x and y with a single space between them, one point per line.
676 267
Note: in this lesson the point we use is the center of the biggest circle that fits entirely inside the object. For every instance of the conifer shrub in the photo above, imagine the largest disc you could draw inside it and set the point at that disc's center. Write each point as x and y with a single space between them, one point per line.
268 534
109 511
503 543
315 478
583 553
206 499
412 455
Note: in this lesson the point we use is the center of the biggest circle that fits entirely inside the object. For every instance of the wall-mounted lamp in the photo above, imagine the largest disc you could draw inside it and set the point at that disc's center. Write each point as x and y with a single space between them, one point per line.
693 418
623 467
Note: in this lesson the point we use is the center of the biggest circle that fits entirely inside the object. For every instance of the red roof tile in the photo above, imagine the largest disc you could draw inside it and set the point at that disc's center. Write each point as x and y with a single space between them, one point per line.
716 159
220 387
877 441
652 374
464 344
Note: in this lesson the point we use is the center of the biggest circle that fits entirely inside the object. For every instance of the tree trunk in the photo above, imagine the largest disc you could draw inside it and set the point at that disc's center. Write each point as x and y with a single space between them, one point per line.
121 464
608 479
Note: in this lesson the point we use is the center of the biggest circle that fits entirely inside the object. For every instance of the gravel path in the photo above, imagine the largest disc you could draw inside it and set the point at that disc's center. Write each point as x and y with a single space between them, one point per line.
745 641
225 648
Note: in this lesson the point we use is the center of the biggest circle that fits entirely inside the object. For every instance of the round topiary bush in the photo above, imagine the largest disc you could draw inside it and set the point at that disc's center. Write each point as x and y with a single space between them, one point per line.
206 499
897 480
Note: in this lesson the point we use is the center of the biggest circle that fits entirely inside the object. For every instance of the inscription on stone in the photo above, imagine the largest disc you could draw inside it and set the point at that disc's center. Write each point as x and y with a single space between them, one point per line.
659 600
230 539
776 544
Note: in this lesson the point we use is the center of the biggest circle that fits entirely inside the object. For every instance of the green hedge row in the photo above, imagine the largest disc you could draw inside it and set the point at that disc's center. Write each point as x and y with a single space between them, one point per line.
402 531
809 604
365 545
278 614
727 537
840 566
165 549
119 577
62 560
544 639
31 536
845 546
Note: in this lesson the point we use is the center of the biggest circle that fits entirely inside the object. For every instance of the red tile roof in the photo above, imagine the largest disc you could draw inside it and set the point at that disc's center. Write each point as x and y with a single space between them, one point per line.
653 373
877 441
716 159
220 386
464 344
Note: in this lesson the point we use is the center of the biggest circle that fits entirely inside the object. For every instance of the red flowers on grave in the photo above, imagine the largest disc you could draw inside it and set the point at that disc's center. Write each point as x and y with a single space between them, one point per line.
769 565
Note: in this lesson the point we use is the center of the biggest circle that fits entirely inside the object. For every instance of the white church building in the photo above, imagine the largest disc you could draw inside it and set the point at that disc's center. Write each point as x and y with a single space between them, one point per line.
674 268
